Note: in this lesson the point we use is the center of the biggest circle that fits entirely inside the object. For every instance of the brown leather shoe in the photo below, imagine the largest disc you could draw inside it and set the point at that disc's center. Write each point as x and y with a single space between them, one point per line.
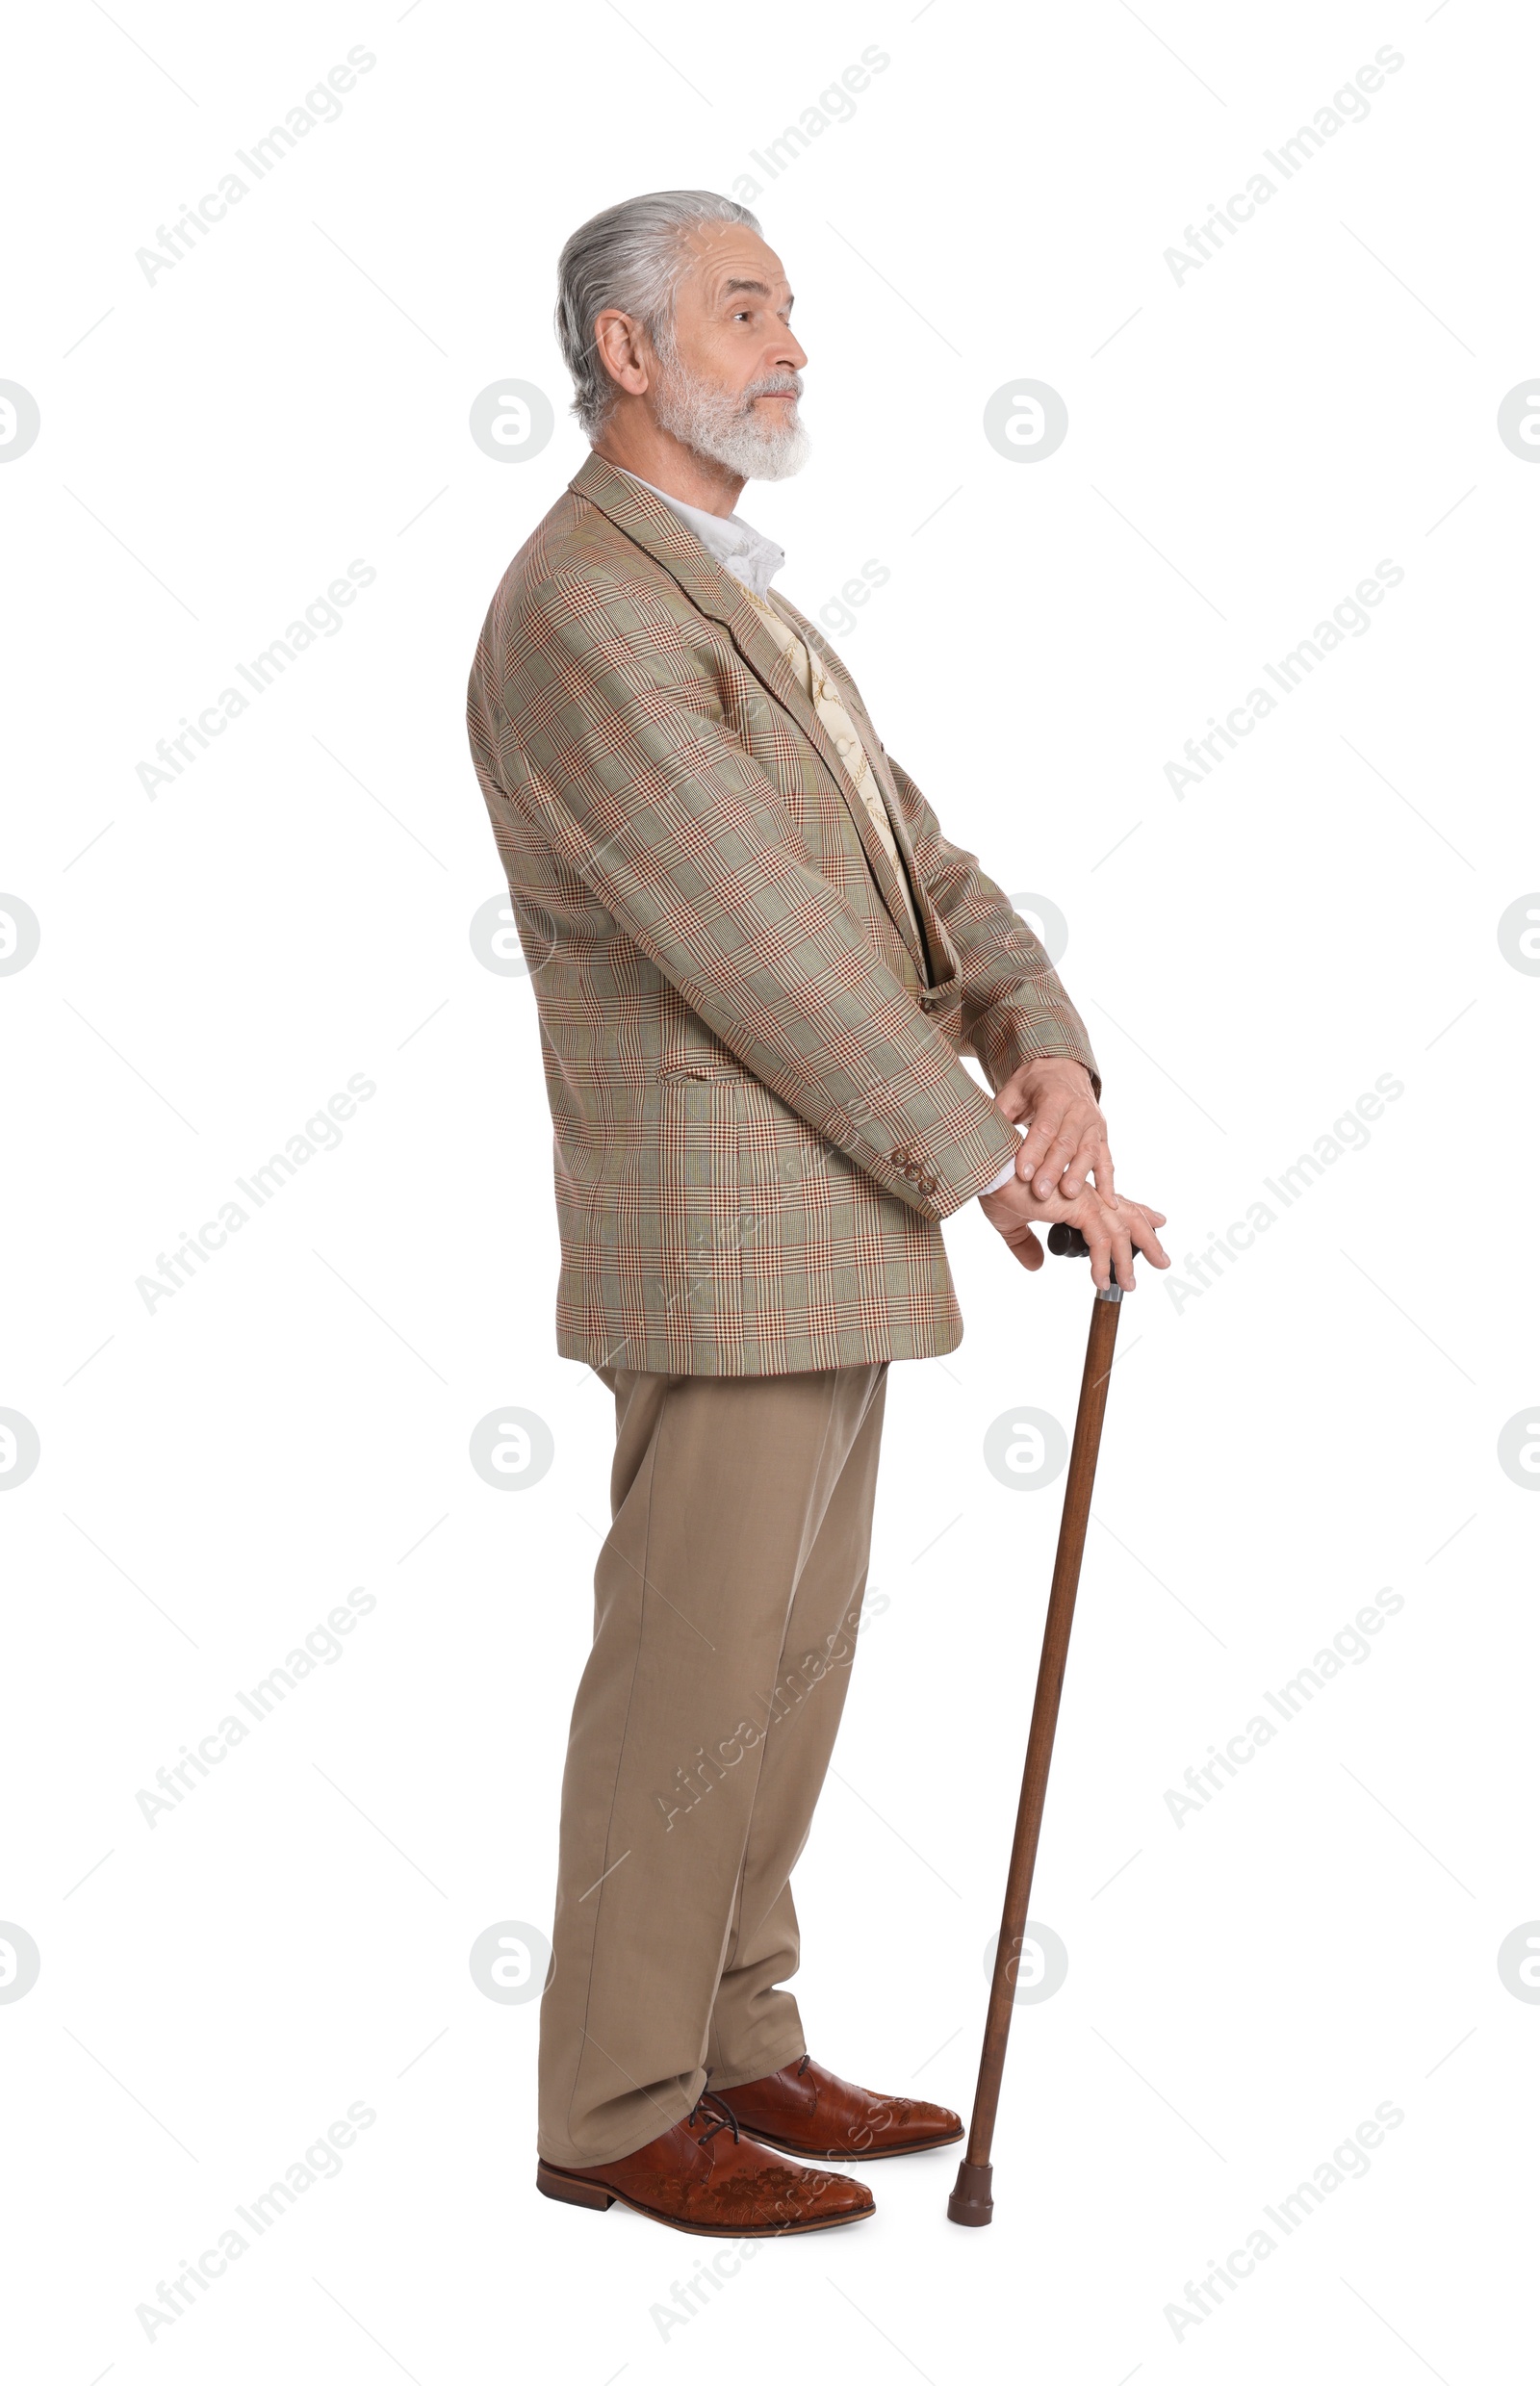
701 2176
803 2109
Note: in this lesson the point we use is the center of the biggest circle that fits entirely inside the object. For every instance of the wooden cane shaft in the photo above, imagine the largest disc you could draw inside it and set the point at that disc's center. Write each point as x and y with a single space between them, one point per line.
1078 1485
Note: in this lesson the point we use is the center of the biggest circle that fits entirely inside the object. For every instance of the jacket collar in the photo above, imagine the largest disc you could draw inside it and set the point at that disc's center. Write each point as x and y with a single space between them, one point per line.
748 555
655 526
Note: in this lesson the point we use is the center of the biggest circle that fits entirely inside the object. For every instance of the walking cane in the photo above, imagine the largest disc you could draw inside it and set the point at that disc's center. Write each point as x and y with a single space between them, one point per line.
971 2203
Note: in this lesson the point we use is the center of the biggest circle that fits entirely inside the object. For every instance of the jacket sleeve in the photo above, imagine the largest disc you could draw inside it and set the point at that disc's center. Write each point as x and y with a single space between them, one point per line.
610 733
1014 1007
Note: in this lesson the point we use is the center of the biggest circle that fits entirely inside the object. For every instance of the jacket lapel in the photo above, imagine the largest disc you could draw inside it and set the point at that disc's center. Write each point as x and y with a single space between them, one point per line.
942 952
713 590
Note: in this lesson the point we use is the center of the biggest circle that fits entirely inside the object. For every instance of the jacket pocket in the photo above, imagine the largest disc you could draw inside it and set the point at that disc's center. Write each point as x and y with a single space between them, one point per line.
688 1050
707 1072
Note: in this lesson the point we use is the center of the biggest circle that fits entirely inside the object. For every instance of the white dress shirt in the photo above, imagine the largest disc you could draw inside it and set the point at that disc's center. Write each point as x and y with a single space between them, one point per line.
741 549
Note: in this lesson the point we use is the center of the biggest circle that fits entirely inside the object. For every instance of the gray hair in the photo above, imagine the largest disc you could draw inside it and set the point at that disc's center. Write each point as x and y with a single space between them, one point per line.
633 257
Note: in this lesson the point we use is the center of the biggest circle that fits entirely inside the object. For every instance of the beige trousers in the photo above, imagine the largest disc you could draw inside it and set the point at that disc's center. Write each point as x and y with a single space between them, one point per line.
726 1602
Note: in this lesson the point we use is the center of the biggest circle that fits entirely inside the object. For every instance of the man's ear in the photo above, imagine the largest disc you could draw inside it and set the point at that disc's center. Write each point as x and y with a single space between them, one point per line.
619 344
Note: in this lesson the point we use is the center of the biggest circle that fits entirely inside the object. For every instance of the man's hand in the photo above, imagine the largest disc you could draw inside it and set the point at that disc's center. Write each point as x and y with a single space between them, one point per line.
1066 1137
1113 1229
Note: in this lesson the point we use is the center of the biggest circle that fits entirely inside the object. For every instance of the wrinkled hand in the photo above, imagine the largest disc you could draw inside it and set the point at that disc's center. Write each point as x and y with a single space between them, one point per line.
1113 1229
1067 1135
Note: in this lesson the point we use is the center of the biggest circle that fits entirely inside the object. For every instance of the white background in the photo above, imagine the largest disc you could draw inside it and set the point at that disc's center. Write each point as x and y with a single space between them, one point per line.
1244 446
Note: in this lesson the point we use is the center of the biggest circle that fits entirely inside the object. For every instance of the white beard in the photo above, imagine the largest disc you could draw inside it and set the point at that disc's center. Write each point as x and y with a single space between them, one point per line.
721 424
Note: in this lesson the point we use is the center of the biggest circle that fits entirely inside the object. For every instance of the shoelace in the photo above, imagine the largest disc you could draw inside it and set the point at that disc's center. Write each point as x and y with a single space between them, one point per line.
718 2117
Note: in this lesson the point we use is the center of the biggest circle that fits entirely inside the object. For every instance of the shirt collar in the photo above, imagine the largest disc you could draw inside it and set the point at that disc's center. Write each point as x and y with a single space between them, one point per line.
738 546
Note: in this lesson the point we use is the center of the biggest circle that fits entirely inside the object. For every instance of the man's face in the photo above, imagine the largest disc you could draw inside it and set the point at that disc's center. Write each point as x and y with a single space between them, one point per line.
729 386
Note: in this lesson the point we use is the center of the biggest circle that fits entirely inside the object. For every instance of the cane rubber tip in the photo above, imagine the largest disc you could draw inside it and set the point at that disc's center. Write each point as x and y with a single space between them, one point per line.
970 2203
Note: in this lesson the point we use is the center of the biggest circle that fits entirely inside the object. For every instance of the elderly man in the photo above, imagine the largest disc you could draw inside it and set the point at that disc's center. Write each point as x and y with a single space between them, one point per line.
756 962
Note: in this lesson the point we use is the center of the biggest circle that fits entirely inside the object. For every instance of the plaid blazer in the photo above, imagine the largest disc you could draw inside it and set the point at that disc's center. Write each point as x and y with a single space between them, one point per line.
753 1062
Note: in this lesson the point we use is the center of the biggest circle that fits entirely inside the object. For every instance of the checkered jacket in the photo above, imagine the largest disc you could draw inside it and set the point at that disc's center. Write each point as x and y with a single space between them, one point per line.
760 1114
